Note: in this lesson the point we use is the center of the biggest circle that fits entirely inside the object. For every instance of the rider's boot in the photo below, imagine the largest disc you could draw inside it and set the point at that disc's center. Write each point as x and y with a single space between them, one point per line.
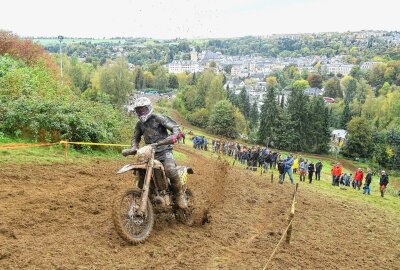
172 174
180 197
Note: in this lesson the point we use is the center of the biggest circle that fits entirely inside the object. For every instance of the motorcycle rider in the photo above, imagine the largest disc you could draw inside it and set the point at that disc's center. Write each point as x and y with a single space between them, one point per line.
154 129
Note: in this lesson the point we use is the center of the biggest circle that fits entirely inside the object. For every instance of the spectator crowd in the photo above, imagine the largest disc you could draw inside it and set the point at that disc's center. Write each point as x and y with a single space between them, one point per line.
265 159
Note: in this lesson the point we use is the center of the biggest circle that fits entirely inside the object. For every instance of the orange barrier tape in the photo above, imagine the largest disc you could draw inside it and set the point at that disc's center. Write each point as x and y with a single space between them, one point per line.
13 146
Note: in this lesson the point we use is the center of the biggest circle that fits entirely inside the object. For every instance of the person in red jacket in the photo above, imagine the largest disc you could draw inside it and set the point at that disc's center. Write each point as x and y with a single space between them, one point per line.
359 178
337 172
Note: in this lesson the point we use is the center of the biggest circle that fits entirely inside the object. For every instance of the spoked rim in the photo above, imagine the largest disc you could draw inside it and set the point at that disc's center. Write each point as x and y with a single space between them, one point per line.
135 224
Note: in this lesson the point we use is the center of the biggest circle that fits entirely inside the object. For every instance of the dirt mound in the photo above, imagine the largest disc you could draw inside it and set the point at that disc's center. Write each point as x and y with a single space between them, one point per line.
59 217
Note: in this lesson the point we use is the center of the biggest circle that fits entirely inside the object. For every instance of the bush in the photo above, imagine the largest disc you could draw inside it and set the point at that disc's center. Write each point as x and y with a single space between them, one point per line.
72 119
222 119
199 117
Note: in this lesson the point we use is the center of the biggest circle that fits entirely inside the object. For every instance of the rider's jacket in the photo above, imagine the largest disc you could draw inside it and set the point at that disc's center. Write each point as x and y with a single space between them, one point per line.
154 130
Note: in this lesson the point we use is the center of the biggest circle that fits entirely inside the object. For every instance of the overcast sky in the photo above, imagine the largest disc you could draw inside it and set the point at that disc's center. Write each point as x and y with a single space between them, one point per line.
190 19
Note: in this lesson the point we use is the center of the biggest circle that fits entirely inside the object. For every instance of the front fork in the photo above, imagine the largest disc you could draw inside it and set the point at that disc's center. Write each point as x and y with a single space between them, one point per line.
146 185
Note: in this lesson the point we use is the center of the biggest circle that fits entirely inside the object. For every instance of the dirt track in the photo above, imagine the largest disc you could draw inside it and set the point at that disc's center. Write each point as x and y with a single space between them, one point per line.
58 217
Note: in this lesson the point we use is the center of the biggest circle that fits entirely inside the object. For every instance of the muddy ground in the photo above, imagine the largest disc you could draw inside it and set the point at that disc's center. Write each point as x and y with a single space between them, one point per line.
59 217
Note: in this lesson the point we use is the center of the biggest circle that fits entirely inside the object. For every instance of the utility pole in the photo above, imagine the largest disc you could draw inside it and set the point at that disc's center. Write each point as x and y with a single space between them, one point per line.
60 38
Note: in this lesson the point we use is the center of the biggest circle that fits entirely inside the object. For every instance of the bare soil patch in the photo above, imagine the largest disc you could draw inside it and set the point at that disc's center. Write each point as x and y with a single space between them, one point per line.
59 217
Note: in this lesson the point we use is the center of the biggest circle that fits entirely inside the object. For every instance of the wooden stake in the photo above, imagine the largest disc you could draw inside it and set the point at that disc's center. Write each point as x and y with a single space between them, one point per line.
272 177
291 216
66 150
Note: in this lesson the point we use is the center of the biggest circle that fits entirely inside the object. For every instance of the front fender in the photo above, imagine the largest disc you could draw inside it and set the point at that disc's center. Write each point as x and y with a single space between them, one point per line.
130 167
127 167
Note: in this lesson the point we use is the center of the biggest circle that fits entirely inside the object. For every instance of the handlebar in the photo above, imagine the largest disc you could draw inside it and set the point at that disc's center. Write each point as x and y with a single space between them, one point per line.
166 141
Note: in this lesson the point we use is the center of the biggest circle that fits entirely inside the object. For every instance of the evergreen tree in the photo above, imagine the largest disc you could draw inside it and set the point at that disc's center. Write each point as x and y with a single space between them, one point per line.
298 110
346 115
244 103
284 132
319 133
253 117
268 118
138 78
232 97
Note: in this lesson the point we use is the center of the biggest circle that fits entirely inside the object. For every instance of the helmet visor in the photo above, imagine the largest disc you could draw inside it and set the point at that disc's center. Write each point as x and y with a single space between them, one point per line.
142 110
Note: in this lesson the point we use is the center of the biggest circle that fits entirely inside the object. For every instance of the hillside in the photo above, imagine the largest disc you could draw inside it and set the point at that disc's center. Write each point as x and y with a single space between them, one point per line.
59 216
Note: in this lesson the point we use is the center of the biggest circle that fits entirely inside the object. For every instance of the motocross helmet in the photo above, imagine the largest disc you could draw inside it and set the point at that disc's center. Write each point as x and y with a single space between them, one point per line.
143 108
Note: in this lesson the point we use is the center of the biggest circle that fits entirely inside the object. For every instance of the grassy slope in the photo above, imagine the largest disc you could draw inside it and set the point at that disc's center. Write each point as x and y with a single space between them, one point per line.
55 154
390 202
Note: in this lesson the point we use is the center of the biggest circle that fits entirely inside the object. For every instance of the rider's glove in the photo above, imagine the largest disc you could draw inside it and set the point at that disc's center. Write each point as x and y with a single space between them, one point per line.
131 151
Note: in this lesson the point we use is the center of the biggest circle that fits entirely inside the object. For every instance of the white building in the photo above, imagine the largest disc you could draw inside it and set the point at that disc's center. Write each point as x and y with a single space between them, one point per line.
343 69
370 64
184 66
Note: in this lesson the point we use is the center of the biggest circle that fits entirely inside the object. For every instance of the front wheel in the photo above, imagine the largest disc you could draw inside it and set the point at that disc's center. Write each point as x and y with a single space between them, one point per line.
130 225
186 216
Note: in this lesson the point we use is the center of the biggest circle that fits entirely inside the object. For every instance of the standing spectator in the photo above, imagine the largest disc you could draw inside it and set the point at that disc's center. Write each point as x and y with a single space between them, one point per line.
368 180
274 159
311 169
295 165
337 172
383 182
281 169
183 137
333 174
302 171
318 169
268 160
347 179
288 168
205 144
341 179
359 177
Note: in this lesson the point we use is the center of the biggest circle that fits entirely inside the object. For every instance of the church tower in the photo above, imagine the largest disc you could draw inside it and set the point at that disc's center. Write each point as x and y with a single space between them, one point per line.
193 55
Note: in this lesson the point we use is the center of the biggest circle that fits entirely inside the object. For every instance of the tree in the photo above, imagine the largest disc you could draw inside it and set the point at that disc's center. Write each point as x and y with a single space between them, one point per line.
216 92
319 136
253 117
358 139
315 80
346 115
350 87
244 103
376 75
138 78
160 78
173 81
332 88
228 68
297 108
269 117
222 119
300 85
116 81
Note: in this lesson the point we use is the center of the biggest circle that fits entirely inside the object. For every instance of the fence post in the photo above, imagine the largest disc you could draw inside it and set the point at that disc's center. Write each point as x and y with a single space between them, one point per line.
66 149
291 216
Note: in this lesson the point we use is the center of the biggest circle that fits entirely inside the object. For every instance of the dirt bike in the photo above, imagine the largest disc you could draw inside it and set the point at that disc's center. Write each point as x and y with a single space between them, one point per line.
133 208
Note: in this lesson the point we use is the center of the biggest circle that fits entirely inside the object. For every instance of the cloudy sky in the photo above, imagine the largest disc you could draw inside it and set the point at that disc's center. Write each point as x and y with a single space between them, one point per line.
191 19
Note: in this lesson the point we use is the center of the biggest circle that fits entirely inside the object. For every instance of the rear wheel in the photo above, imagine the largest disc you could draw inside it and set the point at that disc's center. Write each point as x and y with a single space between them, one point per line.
130 225
186 216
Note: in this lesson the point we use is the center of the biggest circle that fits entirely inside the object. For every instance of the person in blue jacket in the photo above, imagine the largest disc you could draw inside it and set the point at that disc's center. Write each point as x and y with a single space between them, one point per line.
288 168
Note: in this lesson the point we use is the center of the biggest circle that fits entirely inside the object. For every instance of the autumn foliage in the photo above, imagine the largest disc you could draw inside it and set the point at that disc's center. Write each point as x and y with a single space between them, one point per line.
25 50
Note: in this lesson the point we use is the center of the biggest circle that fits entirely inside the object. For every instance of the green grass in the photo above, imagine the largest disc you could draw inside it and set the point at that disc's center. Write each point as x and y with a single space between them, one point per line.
390 202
